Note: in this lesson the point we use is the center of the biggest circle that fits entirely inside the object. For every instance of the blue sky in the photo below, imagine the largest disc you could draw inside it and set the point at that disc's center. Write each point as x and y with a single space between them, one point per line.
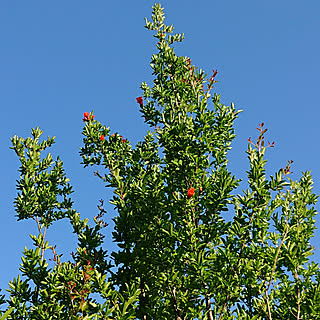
59 59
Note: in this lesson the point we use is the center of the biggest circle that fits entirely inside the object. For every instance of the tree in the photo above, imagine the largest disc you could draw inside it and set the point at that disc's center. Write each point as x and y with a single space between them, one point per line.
189 246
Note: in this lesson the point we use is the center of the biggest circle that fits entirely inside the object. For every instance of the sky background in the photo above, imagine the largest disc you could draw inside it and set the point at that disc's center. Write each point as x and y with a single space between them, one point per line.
59 59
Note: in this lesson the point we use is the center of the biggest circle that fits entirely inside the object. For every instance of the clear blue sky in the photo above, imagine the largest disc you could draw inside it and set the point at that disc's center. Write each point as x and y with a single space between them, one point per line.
59 59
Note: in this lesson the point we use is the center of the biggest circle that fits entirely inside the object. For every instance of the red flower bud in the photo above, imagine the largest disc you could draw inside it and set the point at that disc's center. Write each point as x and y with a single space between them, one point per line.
140 100
102 137
190 193
86 116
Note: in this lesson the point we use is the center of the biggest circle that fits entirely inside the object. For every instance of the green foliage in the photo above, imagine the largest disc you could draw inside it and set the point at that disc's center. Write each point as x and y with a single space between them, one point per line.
189 246
65 290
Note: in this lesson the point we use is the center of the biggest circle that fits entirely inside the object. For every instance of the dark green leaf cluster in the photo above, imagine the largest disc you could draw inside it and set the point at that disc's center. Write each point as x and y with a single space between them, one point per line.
43 195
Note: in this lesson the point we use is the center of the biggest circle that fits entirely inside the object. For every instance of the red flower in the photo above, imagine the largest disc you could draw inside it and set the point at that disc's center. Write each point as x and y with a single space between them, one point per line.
190 193
102 137
140 100
86 116
123 140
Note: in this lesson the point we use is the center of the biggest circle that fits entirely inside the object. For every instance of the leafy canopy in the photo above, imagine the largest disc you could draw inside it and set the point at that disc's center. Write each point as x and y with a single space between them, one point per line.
189 246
